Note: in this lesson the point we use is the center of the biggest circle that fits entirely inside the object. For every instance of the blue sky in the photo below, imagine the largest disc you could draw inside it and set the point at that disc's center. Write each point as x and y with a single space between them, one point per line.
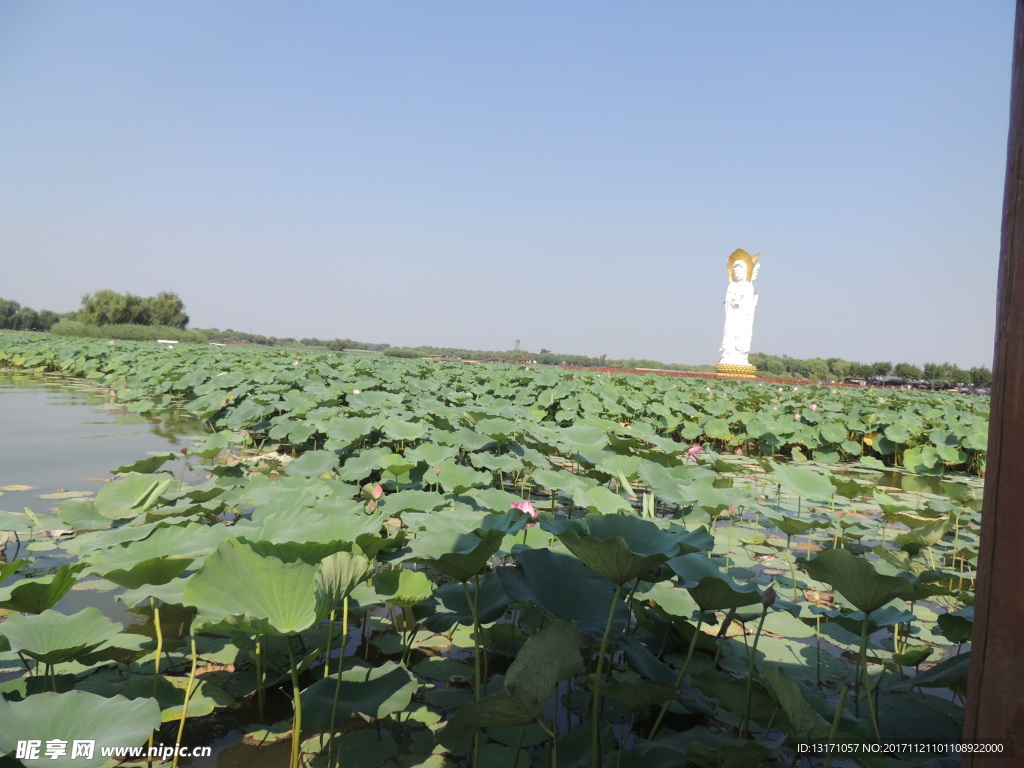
572 174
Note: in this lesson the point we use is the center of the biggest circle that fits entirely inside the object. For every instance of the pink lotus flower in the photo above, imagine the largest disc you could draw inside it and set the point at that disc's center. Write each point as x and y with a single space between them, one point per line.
377 491
780 390
356 391
692 452
814 406
371 505
295 362
708 388
794 389
798 416
775 407
527 507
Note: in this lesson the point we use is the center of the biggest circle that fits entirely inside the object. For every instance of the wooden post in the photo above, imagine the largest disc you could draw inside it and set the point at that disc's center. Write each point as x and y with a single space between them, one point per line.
995 687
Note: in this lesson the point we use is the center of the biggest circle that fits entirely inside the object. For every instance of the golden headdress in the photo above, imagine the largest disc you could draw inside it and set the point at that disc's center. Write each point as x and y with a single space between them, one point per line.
746 258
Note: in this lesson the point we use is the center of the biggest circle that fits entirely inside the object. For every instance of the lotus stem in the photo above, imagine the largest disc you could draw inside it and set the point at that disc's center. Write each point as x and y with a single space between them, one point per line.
188 697
472 601
327 653
552 742
297 703
261 691
834 731
595 740
155 606
750 673
337 683
682 673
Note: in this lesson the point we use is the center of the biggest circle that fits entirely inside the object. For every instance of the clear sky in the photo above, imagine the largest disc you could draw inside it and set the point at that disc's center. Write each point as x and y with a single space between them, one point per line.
572 174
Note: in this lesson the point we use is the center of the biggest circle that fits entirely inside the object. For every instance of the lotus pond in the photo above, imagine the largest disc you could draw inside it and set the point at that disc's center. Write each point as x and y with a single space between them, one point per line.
373 562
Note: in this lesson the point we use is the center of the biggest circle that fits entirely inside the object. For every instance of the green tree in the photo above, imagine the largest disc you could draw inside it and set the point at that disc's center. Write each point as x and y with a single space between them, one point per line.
908 371
981 377
106 307
25 319
8 309
815 369
840 368
881 369
165 308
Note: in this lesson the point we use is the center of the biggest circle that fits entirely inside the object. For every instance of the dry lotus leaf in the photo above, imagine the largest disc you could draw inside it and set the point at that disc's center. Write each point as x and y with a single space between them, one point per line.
15 487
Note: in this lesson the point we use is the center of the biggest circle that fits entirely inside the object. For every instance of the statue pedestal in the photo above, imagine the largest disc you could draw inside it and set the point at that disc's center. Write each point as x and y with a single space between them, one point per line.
739 371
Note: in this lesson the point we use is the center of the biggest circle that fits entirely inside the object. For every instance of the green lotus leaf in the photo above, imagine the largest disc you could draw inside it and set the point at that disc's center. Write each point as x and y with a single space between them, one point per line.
718 429
600 501
9 569
582 436
857 580
150 464
922 460
431 454
372 691
313 464
54 638
898 434
833 432
38 594
803 718
240 588
957 626
562 587
403 430
552 655
456 478
804 482
792 526
403 587
170 695
459 555
913 655
491 603
77 716
709 586
131 495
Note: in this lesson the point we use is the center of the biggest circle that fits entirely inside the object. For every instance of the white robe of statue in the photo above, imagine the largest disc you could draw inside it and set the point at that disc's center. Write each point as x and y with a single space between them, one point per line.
740 302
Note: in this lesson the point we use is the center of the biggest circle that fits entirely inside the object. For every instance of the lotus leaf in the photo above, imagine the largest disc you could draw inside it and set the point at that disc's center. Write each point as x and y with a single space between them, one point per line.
553 654
132 494
710 588
257 592
37 595
857 580
403 587
53 638
314 464
373 691
562 587
459 555
74 716
804 482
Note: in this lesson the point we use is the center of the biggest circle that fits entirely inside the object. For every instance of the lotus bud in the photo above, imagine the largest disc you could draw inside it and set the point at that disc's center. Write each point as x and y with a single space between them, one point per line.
437 470
768 598
377 491
814 406
371 505
356 391
798 416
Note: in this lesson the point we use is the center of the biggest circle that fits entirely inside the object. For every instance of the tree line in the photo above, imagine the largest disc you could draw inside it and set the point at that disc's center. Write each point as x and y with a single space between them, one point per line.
105 307
166 309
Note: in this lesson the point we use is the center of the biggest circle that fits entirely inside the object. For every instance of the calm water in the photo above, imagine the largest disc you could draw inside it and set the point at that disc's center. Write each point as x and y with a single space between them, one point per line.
58 435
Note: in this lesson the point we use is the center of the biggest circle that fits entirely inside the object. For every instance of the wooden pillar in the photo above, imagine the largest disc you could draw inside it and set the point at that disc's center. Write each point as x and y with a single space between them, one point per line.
995 690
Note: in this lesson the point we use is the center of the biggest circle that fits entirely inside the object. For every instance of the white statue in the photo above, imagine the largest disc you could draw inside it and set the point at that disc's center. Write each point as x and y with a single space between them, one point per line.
740 302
